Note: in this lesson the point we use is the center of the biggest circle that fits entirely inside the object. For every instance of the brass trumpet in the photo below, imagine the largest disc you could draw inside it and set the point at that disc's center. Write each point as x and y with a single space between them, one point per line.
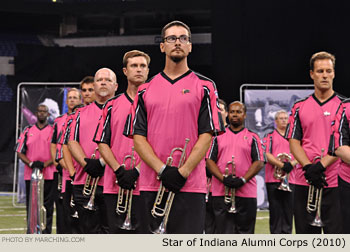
91 189
230 193
165 211
314 199
120 209
280 174
90 182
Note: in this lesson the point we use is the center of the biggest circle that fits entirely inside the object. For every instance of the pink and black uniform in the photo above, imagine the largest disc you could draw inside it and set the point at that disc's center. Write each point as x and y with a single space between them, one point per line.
167 112
310 122
82 130
35 144
56 135
280 202
246 148
110 131
342 138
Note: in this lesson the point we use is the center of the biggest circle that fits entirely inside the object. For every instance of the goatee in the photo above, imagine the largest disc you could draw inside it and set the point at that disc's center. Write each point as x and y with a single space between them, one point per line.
177 59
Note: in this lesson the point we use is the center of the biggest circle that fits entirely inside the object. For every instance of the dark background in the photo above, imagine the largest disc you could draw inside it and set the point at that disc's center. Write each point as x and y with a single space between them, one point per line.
265 42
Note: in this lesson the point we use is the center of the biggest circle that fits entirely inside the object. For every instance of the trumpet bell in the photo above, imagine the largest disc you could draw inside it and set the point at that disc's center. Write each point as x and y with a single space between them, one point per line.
127 224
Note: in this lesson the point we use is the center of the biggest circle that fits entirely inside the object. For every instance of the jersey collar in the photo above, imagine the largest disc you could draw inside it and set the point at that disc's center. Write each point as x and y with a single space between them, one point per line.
323 103
128 97
177 79
36 124
236 132
100 106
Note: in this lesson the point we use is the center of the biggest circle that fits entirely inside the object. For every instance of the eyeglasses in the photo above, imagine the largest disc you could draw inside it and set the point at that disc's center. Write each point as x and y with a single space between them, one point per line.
184 39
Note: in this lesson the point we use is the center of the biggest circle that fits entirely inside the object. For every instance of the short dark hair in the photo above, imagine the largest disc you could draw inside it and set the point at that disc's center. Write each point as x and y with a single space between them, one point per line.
87 80
175 23
135 53
321 56
221 101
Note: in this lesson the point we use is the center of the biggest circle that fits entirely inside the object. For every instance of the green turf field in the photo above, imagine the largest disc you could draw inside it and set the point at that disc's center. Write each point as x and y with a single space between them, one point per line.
13 219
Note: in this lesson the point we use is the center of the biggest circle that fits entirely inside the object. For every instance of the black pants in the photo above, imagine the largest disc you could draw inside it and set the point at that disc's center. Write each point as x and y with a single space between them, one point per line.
344 193
115 220
330 212
58 199
48 203
71 223
91 222
209 216
187 215
280 209
242 222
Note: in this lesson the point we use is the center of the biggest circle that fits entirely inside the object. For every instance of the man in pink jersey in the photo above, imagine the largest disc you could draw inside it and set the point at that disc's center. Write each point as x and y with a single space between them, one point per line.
73 98
85 152
114 146
242 147
340 146
175 105
308 131
33 148
280 202
209 213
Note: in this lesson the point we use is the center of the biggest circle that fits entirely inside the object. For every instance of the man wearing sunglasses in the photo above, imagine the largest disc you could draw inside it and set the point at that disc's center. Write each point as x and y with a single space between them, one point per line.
175 105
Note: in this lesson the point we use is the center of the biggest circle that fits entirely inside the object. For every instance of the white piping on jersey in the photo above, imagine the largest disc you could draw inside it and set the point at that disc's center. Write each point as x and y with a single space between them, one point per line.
257 149
294 124
137 110
209 108
104 125
212 146
340 126
77 127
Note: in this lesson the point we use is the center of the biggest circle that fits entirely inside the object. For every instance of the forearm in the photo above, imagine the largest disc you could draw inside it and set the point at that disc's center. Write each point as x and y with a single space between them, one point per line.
108 156
67 159
214 169
77 152
344 153
328 160
253 169
53 153
24 158
146 153
273 160
197 154
298 152
48 163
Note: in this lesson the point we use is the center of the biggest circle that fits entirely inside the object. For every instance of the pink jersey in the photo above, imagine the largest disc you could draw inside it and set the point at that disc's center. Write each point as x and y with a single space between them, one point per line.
342 136
311 123
35 144
82 130
110 132
57 138
169 111
275 144
246 148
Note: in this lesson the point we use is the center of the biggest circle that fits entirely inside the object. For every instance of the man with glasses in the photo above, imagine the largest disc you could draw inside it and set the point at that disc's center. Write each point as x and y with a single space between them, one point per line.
175 105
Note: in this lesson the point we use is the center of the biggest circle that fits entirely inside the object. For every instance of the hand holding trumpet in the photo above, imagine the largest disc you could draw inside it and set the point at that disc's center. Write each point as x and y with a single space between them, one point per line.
94 167
233 182
172 179
314 173
127 178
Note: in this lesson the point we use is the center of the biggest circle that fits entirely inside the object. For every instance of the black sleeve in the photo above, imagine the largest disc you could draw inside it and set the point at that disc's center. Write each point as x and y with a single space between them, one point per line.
140 120
344 131
54 134
213 152
297 129
106 132
255 154
205 119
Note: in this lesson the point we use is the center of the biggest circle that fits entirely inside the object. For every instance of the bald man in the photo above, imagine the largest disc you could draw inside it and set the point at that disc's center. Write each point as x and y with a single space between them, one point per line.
80 144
